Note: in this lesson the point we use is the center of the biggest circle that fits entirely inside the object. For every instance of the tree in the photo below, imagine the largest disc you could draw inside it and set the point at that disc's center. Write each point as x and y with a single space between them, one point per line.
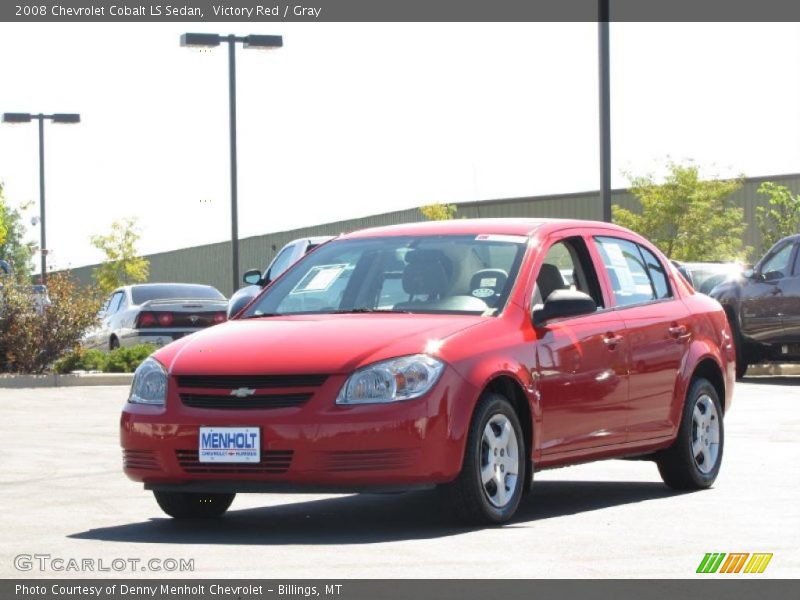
13 248
782 218
438 212
123 265
686 217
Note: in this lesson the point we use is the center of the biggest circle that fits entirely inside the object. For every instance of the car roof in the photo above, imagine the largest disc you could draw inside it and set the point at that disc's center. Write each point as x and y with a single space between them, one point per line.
145 285
504 226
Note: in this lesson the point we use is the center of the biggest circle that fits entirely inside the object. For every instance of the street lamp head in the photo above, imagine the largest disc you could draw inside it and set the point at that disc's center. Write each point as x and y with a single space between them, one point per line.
66 118
17 117
200 40
263 42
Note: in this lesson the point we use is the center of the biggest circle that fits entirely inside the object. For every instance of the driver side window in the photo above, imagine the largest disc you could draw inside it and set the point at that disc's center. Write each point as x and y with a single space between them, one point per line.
567 266
778 263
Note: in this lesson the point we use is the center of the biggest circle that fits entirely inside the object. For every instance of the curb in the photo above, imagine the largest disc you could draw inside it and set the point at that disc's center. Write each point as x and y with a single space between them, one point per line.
773 369
70 380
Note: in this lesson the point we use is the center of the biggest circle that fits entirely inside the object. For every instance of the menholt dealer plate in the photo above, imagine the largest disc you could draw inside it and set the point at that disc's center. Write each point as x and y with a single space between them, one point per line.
230 444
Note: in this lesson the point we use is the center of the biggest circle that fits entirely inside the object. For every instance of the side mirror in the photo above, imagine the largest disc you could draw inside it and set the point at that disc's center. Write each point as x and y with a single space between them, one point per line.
236 305
564 303
252 277
772 276
749 273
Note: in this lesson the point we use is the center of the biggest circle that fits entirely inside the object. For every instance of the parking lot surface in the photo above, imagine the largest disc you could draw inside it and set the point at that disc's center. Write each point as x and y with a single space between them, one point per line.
64 495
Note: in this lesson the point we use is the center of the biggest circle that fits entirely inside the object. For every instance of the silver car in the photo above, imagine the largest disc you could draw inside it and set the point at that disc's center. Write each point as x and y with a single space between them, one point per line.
155 313
289 254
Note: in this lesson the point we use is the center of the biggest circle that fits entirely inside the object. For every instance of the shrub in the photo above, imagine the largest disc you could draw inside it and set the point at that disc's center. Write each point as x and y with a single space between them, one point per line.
121 360
29 340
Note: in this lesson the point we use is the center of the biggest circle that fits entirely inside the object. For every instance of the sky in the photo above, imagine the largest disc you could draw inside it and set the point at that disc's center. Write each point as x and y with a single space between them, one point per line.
348 120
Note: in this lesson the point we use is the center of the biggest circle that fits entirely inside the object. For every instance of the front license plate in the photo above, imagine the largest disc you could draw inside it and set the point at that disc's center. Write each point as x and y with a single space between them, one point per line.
230 445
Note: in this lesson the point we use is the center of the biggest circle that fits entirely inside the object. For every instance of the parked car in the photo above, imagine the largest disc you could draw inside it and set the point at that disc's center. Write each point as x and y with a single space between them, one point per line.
705 276
449 354
155 313
256 280
763 307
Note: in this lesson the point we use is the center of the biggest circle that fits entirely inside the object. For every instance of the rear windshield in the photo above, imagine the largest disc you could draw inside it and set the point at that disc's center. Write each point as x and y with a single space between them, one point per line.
169 291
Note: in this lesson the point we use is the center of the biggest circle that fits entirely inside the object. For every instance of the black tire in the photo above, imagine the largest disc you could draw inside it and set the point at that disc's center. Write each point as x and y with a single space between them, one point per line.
467 497
738 346
113 343
184 505
680 467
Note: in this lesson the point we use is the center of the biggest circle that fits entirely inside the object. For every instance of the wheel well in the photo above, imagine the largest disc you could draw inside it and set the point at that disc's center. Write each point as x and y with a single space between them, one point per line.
112 339
511 389
708 369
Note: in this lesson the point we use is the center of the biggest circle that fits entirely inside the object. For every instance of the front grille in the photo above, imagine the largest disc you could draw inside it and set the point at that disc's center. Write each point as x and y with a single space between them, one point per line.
272 461
250 402
145 460
250 381
368 460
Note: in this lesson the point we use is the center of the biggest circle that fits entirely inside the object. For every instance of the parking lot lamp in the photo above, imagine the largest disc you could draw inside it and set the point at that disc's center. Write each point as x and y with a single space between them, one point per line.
62 118
211 40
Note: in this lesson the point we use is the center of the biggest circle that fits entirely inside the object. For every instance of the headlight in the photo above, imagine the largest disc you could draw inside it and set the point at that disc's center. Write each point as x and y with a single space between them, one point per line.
391 380
149 383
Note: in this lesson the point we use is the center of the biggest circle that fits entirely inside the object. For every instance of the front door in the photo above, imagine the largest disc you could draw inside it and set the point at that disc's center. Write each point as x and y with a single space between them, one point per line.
581 362
761 296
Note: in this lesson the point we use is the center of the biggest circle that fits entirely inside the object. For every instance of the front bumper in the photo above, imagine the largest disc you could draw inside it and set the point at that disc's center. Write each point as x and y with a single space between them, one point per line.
314 447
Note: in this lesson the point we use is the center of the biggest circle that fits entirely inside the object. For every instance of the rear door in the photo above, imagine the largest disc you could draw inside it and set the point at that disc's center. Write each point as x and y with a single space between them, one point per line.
658 329
582 362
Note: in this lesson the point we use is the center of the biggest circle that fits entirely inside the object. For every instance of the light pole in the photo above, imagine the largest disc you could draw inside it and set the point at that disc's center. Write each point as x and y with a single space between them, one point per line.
604 108
211 40
63 118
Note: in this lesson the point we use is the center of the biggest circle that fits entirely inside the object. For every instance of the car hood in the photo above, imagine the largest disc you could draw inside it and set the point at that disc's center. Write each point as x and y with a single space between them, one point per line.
324 344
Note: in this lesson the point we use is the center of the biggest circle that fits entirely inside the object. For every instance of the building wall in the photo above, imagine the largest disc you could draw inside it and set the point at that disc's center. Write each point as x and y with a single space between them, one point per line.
210 263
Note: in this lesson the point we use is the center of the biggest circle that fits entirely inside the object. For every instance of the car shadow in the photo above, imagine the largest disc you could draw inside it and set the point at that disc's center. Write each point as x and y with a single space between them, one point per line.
370 518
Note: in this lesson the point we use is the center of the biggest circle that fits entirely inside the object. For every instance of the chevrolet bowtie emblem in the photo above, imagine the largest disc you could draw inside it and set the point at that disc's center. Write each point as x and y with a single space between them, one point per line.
242 392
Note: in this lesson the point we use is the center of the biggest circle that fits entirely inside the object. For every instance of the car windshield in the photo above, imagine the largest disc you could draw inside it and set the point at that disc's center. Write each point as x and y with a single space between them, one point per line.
417 274
143 293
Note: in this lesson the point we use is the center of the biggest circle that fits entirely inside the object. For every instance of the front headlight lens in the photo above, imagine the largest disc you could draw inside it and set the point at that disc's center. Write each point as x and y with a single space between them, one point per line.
149 383
392 380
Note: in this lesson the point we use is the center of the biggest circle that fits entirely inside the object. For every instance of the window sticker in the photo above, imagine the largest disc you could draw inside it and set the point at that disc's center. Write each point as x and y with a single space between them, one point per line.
514 239
488 282
621 267
319 279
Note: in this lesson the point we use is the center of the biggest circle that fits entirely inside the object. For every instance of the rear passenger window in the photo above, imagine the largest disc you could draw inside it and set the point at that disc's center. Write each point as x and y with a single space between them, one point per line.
627 270
658 276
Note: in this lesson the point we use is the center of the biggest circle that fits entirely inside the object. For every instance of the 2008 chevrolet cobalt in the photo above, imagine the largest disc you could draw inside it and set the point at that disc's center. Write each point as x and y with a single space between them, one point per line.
464 354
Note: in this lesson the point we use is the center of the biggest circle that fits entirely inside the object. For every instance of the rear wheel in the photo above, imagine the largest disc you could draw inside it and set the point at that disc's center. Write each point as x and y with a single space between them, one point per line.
489 488
738 346
694 459
184 505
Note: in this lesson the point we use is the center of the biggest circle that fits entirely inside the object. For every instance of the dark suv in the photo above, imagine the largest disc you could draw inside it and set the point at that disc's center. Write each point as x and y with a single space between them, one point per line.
763 307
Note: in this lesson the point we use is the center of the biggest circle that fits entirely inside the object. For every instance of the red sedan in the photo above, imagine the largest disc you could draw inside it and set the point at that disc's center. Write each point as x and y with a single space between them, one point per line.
465 354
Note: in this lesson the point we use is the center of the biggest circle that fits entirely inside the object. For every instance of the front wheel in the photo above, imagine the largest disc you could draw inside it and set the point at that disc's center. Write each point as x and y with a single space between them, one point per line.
489 488
694 459
185 505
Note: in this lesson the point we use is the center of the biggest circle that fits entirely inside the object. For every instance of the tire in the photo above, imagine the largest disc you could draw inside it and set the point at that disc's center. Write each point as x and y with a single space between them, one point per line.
184 505
113 343
693 461
738 346
495 447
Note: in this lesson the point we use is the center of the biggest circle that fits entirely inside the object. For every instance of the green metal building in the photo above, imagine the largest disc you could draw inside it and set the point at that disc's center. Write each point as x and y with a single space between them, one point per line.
210 263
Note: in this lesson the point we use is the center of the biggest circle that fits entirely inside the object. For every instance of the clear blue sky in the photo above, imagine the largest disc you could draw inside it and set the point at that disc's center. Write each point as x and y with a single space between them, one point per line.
348 120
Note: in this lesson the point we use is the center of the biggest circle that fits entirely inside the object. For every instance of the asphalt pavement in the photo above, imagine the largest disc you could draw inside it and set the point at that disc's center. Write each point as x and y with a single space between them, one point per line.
64 495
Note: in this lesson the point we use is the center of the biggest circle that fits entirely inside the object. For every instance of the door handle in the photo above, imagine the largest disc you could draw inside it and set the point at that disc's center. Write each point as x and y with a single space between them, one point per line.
678 331
612 340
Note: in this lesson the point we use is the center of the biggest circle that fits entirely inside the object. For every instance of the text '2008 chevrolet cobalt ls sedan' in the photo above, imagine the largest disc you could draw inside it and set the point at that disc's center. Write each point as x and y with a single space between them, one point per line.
464 354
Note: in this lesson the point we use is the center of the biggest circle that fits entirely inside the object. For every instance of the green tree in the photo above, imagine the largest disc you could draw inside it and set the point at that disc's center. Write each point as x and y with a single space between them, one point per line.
686 217
13 248
123 265
781 218
438 212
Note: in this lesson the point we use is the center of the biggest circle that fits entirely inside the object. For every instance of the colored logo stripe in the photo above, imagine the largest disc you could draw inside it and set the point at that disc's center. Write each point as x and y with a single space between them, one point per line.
713 562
